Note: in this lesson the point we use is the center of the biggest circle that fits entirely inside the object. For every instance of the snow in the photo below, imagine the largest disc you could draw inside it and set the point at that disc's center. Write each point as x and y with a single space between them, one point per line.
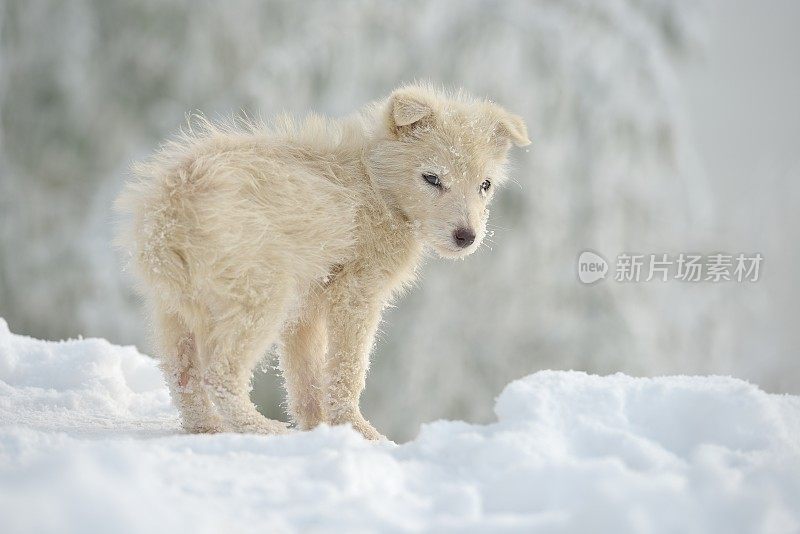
89 442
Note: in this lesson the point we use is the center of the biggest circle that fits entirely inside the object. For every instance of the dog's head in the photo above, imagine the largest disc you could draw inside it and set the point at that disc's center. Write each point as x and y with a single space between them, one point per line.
440 159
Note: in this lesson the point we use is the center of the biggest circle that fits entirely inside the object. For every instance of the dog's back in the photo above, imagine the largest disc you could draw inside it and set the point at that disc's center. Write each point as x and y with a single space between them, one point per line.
216 206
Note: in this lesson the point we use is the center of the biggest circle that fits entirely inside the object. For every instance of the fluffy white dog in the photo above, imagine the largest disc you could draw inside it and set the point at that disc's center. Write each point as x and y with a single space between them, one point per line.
301 233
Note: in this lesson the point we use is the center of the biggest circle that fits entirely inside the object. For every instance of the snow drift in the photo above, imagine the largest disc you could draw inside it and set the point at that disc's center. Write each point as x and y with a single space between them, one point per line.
89 442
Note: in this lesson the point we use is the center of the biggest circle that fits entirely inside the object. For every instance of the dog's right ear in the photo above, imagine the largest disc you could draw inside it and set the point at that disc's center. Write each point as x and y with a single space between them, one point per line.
408 110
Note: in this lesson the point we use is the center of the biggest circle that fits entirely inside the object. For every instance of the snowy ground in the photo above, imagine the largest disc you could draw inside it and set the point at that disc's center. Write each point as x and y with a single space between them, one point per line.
89 442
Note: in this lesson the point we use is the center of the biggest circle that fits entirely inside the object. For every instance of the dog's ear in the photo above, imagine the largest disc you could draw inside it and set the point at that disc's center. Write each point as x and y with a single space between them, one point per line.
409 110
508 127
511 128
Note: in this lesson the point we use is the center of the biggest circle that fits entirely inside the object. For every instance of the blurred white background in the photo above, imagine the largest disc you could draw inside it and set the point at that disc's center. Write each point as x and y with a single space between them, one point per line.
658 126
742 97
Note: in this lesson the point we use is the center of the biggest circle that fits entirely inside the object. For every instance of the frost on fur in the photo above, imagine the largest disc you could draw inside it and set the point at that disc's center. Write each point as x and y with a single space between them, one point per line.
243 235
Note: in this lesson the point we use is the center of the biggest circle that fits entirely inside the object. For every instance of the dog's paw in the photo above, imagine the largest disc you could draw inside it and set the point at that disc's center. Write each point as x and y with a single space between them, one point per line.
363 427
213 425
203 429
262 425
273 427
369 432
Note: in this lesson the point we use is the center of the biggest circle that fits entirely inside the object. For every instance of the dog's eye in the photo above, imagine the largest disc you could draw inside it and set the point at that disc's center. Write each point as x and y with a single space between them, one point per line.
486 185
432 179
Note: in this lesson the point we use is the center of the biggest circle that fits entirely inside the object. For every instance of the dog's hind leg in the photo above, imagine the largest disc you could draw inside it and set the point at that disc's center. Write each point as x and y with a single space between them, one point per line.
302 361
179 361
239 337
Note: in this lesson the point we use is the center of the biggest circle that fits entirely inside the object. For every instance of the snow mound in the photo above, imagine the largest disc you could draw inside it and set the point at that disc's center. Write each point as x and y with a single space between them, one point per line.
90 443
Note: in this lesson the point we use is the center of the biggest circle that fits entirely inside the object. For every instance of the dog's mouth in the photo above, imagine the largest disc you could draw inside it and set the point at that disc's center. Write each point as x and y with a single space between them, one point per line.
452 252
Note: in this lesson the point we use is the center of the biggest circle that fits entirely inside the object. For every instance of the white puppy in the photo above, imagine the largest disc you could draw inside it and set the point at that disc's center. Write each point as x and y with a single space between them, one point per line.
242 236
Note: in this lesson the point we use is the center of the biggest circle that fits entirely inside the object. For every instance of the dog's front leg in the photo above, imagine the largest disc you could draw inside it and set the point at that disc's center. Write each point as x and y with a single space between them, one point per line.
352 323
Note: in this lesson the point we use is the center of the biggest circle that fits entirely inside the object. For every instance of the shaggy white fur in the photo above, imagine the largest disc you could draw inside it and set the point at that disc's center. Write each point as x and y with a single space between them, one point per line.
244 235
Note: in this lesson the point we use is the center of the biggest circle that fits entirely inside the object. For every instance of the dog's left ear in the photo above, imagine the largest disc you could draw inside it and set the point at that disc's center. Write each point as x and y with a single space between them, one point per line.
408 109
511 128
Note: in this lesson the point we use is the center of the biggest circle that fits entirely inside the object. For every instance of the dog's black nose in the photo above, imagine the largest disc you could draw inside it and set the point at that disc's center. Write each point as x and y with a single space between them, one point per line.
463 237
